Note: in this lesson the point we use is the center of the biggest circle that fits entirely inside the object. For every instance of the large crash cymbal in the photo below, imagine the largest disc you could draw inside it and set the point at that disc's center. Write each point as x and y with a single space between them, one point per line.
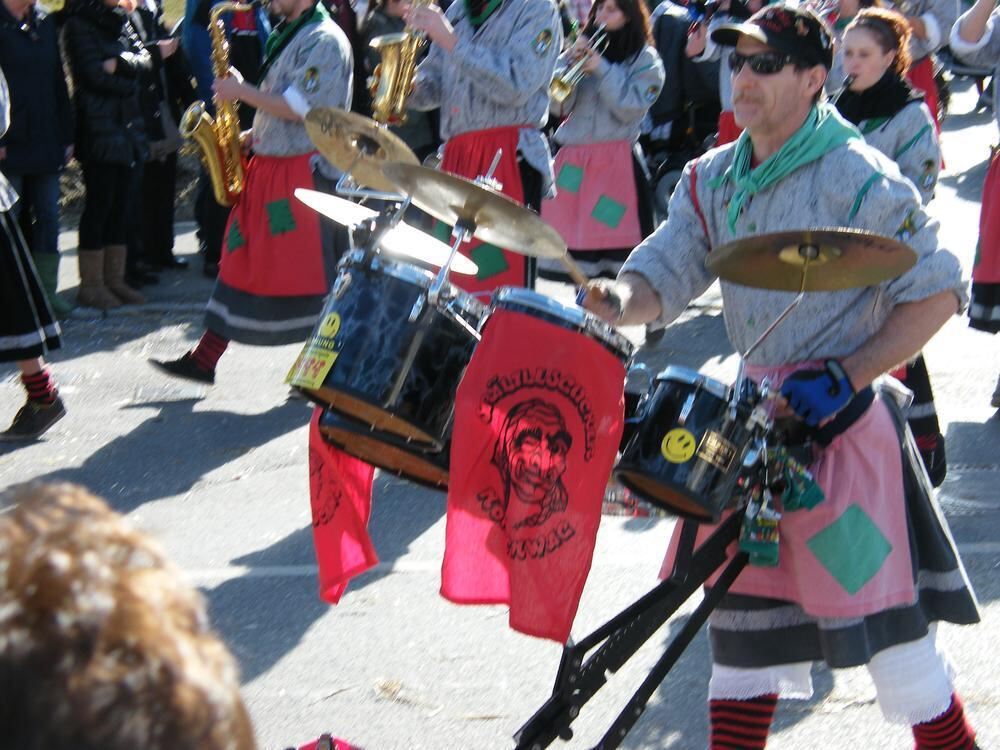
356 144
402 241
495 218
833 259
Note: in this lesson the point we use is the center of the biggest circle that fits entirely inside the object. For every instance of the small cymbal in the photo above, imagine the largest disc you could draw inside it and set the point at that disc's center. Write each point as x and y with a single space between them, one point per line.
402 241
837 258
357 145
497 219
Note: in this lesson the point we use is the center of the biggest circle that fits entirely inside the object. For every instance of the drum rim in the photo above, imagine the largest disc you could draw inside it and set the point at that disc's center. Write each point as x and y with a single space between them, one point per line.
690 376
419 277
585 322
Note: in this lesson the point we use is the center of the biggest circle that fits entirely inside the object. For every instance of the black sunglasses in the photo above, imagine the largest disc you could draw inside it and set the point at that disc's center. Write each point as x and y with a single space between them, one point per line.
762 63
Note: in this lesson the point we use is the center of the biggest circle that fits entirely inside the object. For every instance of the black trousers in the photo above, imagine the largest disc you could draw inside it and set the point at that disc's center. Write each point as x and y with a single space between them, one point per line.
156 225
211 218
103 221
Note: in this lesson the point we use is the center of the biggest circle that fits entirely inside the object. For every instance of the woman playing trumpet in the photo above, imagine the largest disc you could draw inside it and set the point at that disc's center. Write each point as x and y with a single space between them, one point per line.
602 207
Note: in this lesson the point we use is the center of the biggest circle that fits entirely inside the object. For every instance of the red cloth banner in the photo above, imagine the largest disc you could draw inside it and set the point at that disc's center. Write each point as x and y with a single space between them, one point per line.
986 266
329 743
538 418
340 492
470 155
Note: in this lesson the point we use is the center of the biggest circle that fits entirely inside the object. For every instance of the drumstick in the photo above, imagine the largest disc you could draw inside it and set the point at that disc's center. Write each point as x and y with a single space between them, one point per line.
574 271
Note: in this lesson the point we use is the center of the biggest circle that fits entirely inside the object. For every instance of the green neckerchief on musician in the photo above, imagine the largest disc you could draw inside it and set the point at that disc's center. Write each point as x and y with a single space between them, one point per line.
284 32
477 11
823 131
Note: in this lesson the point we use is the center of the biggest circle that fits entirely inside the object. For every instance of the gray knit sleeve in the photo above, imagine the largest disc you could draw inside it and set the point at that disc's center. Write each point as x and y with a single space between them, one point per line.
672 259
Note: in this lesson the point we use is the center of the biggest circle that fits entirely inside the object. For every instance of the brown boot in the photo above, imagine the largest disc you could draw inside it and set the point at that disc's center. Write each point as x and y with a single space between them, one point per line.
114 275
92 292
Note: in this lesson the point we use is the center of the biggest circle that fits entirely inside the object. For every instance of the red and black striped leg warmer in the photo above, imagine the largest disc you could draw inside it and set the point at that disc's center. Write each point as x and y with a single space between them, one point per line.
741 725
949 731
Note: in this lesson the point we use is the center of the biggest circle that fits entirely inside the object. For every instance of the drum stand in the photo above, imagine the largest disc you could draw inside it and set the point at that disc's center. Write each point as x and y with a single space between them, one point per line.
579 679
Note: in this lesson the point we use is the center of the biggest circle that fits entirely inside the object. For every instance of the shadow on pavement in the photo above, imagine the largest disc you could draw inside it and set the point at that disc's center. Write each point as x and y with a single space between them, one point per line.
174 448
260 635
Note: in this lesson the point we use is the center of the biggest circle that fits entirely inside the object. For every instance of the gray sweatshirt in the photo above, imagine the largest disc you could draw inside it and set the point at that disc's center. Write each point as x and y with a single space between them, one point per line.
609 104
8 197
910 139
314 70
496 76
984 54
852 186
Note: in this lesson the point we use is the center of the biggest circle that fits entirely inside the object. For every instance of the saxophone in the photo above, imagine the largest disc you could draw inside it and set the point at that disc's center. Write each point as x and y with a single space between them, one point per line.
392 80
219 140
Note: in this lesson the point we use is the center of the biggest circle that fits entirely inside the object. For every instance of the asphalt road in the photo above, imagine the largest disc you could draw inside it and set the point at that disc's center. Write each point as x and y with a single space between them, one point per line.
219 475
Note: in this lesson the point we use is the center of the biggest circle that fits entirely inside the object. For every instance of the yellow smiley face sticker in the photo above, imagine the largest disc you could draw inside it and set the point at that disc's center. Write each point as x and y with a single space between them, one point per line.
330 325
678 446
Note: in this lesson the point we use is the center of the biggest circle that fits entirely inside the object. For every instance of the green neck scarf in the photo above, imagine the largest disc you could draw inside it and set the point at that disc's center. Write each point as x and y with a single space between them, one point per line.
283 33
823 131
477 11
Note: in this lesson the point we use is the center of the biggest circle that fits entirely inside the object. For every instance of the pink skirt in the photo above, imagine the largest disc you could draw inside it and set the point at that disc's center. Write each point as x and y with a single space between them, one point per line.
850 555
596 206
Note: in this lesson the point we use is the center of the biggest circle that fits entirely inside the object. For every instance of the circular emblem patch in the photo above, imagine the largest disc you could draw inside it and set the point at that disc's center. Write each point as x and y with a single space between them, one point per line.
678 446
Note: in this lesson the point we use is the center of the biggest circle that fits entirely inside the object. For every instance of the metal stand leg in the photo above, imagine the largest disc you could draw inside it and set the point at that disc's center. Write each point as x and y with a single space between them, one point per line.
578 681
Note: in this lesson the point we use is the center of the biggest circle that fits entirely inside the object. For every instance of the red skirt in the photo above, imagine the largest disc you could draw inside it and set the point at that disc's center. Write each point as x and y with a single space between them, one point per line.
921 76
278 261
470 155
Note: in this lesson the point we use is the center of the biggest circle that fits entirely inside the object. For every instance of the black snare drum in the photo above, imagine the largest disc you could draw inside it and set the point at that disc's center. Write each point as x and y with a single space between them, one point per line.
384 354
387 452
686 453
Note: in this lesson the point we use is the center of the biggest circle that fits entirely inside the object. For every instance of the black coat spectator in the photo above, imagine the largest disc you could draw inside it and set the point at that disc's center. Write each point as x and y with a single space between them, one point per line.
164 94
106 59
41 126
40 137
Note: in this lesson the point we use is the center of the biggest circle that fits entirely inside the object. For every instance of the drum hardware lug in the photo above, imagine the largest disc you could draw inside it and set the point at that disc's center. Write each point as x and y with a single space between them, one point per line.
686 409
341 283
418 307
640 408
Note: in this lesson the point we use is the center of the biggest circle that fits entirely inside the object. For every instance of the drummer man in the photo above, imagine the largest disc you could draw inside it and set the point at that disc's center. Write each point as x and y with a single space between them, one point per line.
278 259
845 589
488 69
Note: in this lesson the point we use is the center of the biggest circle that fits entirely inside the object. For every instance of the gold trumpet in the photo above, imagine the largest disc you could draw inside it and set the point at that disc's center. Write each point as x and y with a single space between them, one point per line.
563 84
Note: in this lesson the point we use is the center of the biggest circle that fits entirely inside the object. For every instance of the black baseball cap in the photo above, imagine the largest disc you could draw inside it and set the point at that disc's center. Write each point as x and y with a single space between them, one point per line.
794 31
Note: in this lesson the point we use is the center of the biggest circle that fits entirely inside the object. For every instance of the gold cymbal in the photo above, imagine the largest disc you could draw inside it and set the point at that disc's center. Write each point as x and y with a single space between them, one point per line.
356 144
832 259
495 218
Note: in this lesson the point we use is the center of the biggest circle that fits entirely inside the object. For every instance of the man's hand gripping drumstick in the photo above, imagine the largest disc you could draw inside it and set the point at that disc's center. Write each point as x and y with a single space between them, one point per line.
626 301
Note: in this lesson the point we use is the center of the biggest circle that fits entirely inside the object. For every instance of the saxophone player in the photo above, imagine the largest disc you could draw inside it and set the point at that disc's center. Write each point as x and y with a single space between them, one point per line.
278 260
489 68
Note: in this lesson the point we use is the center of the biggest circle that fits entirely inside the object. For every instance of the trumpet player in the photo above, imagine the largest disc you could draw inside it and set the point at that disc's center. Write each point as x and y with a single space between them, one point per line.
488 69
278 260
602 206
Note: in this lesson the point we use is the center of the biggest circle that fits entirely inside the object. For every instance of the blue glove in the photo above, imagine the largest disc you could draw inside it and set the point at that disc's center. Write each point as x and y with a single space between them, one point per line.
817 394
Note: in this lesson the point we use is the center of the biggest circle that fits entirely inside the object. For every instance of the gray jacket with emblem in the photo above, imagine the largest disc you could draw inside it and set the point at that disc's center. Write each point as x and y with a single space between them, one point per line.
984 54
853 185
910 139
496 76
609 104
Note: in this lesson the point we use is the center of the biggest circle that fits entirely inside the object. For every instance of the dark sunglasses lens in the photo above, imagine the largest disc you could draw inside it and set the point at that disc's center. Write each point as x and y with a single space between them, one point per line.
764 63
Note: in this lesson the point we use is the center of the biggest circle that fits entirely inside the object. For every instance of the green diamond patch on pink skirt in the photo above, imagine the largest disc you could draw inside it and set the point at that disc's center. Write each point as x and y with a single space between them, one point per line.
596 206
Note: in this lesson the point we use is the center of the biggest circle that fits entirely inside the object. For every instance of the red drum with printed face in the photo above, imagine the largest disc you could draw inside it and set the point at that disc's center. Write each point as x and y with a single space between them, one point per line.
687 449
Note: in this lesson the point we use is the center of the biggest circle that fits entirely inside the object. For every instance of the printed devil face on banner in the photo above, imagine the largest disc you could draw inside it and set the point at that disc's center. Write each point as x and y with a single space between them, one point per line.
531 455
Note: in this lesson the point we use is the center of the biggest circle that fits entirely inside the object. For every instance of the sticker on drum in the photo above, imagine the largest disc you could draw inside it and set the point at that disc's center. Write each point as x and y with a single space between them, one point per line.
678 446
